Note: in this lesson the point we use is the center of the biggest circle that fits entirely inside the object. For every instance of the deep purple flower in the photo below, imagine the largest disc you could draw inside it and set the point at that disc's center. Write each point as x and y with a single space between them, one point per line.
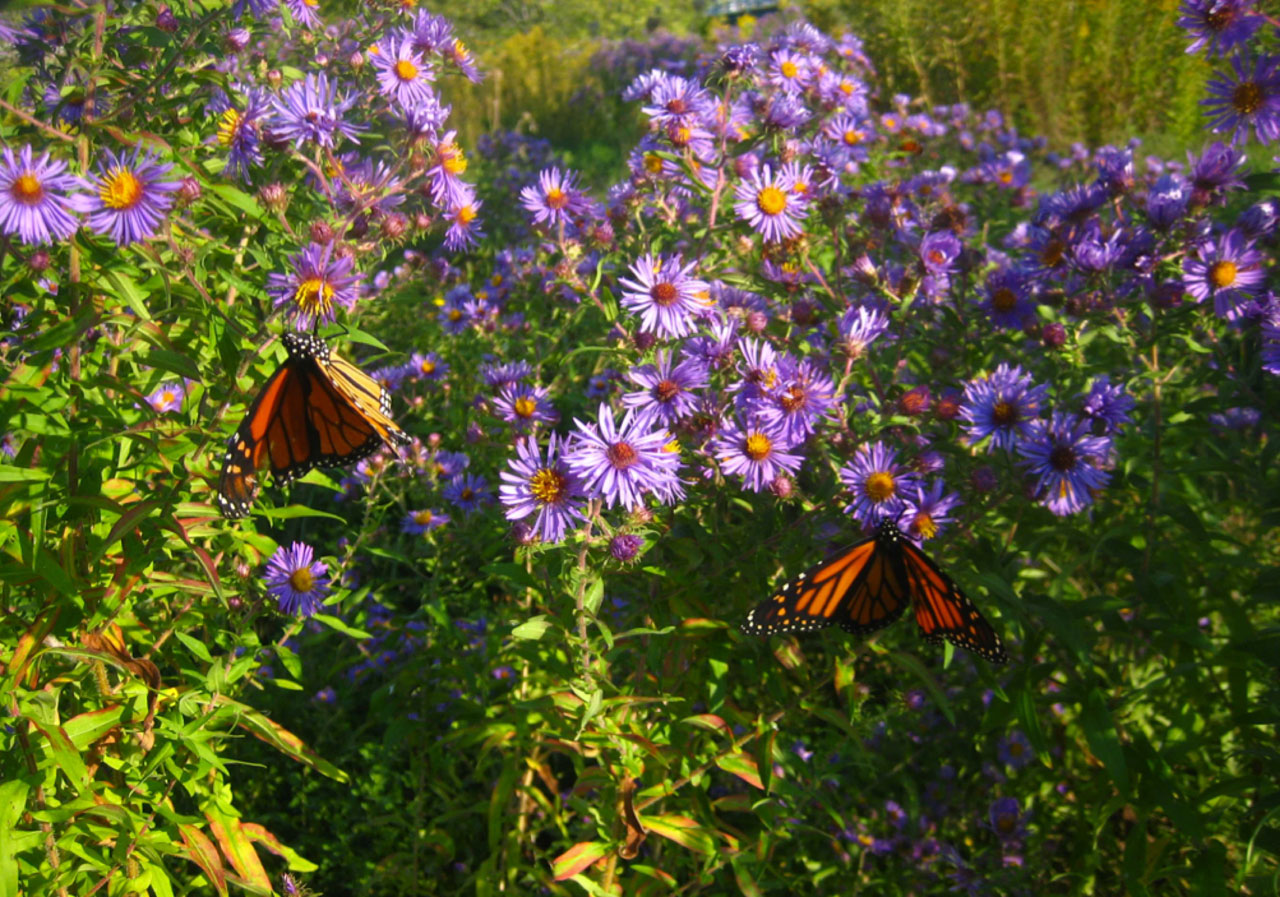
1230 270
621 462
1167 201
674 100
418 522
313 110
315 284
925 514
756 451
449 464
668 394
1007 820
240 134
939 251
1008 300
34 200
468 491
1014 750
1219 25
1066 460
547 486
625 546
298 582
1002 406
1250 99
859 327
129 197
427 366
1271 345
878 483
1107 406
665 295
770 205
1219 168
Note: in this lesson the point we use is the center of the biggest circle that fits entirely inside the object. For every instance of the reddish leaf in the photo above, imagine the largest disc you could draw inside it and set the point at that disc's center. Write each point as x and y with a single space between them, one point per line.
742 766
708 721
200 850
681 829
235 847
578 858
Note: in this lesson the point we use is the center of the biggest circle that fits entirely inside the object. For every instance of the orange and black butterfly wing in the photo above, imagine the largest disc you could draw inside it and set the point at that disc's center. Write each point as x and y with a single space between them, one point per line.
250 445
944 612
343 433
857 588
370 399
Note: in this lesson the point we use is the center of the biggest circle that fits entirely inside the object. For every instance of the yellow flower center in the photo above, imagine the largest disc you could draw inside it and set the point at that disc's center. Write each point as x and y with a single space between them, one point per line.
1247 98
428 366
1005 177
1223 274
460 50
121 189
168 396
923 525
455 314
423 518
851 137
302 580
314 296
880 486
758 446
229 127
557 198
771 201
406 70
466 215
525 406
496 280
28 189
790 69
452 159
846 87
548 486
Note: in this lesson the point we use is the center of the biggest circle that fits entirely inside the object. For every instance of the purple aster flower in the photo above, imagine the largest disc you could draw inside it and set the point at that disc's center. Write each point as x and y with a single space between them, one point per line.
1107 406
674 100
1219 168
325 695
239 133
128 198
168 397
665 295
427 366
1219 25
1065 459
1250 99
1007 820
315 284
1014 750
468 491
789 71
556 199
497 376
939 251
304 12
298 581
523 406
803 395
445 174
402 73
623 462
625 547
1271 345
858 329
449 464
878 483
33 197
770 206
1229 269
547 486
418 522
925 514
667 396
1167 201
756 451
313 110
464 231
1235 418
785 112
1002 406
1008 301
8 445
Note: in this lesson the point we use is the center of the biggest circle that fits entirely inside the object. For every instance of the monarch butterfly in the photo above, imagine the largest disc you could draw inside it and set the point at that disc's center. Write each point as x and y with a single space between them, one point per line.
867 586
316 410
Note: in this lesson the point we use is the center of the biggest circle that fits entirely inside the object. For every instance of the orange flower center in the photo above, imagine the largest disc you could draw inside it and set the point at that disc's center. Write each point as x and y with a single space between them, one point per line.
666 390
302 580
664 293
557 198
621 455
758 446
771 201
1223 274
548 486
525 406
1004 299
121 189
880 486
28 189
406 70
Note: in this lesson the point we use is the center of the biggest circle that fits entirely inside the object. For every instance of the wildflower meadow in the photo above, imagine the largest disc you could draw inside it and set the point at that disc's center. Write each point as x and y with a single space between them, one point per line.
817 490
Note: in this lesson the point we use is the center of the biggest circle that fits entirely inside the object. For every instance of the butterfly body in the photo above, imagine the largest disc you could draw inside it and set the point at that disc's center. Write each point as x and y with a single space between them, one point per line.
867 586
317 410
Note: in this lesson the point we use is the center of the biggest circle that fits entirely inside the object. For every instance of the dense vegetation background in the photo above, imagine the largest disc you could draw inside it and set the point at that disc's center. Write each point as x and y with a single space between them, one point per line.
388 680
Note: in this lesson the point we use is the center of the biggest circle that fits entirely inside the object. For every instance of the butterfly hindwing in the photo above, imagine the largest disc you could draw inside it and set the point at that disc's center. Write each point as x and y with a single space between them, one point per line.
943 611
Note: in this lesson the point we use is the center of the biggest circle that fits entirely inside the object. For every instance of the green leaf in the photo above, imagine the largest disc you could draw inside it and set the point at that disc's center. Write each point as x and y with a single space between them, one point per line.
682 830
533 628
1100 733
336 624
743 766
195 646
173 362
11 474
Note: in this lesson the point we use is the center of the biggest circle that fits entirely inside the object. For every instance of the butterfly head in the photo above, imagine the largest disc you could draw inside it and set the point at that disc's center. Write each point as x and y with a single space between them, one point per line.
304 345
